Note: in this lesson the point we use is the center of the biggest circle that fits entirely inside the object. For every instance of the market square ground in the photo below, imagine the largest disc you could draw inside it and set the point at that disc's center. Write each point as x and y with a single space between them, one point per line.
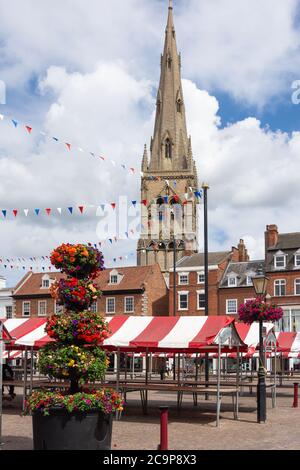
191 428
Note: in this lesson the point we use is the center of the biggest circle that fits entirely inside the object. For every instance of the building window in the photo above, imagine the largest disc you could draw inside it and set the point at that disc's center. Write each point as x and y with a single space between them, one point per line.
113 279
201 278
183 300
110 305
232 281
183 279
290 321
297 286
231 306
279 261
279 287
42 308
45 283
249 281
297 261
58 309
94 307
129 304
8 309
168 148
201 300
26 309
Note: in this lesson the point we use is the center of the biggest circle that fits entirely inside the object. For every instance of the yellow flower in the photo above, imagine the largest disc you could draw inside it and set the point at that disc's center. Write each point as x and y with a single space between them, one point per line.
71 363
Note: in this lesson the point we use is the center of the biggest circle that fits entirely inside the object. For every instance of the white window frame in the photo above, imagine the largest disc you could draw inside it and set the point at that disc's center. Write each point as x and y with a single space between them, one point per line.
227 305
42 302
249 281
198 278
200 292
284 261
10 315
179 306
94 306
111 276
46 279
23 308
283 283
125 306
58 309
296 282
185 275
106 305
232 278
297 258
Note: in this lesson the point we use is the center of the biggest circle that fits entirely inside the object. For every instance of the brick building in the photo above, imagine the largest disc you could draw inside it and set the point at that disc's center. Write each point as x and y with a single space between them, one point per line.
190 281
137 290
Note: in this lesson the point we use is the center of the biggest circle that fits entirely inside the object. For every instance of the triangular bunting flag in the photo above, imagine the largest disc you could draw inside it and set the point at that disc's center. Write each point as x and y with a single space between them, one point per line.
55 138
166 199
70 209
26 212
48 210
110 240
81 209
113 162
80 149
15 212
92 153
123 166
132 169
113 205
102 207
29 129
1 117
15 123
102 158
144 202
133 203
68 146
59 210
4 212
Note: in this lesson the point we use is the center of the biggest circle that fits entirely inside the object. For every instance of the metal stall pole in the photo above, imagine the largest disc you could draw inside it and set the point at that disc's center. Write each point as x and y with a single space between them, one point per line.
146 382
31 369
205 187
1 370
237 381
118 369
218 385
25 377
126 357
132 367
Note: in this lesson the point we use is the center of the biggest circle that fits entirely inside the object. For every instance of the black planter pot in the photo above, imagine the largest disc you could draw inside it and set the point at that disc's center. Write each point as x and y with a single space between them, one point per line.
61 430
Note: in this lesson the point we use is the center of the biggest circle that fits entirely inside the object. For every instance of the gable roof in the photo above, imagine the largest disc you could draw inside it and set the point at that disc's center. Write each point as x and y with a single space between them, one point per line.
287 241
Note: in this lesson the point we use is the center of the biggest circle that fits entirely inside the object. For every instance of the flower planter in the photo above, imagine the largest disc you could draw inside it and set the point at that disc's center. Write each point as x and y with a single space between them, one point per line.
61 430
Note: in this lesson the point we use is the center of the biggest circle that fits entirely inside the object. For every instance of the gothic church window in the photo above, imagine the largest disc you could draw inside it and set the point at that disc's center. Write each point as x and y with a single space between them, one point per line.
168 148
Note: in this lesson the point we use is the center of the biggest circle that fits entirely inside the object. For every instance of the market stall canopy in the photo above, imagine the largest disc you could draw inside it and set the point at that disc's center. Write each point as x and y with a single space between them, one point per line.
289 344
176 334
6 336
133 333
249 334
27 332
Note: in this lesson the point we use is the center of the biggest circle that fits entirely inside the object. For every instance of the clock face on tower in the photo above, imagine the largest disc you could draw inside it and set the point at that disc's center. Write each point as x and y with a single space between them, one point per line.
169 176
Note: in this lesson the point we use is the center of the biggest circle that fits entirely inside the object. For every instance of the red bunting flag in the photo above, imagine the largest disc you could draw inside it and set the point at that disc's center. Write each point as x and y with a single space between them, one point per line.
48 211
144 201
15 212
176 198
29 129
81 209
102 158
132 169
113 205
68 145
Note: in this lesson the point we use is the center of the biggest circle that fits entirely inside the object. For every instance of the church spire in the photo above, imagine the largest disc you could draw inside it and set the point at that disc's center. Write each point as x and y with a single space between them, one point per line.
170 146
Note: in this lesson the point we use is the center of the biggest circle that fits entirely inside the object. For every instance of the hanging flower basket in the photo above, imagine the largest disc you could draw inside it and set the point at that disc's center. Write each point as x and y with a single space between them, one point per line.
80 261
257 309
74 294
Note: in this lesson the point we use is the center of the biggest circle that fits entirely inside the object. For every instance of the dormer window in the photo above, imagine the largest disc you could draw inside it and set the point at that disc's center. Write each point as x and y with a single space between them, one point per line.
232 281
297 259
249 281
279 260
45 282
114 277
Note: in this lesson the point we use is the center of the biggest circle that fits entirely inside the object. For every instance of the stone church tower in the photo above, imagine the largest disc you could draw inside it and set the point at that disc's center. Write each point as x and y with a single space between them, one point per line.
169 178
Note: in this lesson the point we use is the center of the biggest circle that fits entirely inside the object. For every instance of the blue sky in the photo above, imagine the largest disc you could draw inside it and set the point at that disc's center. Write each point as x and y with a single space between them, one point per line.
90 74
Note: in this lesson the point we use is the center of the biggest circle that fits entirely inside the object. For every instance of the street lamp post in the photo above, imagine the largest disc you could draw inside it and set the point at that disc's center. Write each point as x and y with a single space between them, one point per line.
260 282
205 188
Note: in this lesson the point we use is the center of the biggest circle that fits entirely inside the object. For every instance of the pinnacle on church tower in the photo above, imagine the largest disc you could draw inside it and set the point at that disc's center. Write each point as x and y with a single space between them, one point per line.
170 172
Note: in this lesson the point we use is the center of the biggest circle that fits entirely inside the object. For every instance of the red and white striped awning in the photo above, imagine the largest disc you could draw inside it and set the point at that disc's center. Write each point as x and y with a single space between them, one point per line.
27 332
249 334
169 333
134 333
289 344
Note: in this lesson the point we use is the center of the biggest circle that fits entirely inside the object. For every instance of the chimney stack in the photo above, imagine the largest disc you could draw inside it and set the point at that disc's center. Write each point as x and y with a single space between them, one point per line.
271 236
243 252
